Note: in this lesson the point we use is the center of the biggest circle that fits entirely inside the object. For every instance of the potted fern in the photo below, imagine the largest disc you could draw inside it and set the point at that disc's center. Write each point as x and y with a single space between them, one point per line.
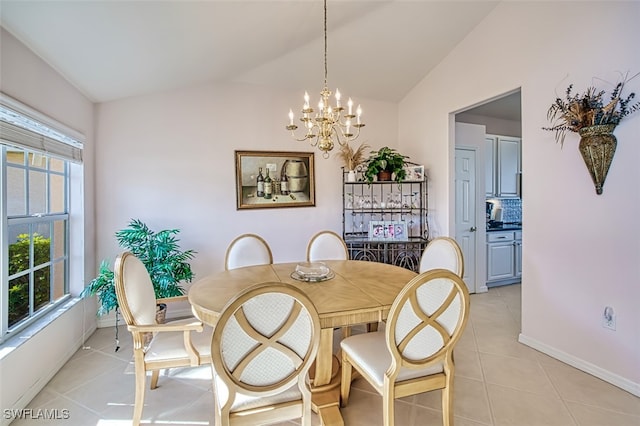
167 264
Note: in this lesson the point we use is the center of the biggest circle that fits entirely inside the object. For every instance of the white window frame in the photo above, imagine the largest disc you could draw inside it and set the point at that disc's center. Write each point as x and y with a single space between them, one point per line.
51 139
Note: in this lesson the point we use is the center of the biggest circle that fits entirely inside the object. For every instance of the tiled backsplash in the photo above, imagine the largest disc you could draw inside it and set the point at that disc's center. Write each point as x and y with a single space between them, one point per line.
511 208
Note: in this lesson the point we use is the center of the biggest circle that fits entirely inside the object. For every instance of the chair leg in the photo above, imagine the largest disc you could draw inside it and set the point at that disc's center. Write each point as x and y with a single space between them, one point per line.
388 414
155 374
447 402
141 377
345 381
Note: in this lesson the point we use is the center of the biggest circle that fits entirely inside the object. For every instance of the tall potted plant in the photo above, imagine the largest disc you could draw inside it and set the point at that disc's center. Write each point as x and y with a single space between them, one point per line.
385 163
167 264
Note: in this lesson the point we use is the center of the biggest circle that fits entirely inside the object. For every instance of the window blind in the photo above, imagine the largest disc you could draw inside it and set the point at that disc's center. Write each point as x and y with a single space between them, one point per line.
24 128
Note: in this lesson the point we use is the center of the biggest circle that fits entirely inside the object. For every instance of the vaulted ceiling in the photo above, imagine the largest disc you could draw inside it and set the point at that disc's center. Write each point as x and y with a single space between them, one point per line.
116 49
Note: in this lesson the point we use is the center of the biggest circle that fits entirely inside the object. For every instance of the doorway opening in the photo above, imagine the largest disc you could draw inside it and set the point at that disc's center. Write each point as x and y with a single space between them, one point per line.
490 237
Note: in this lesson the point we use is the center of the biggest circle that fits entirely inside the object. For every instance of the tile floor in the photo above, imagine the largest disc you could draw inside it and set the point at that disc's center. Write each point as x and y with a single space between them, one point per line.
499 382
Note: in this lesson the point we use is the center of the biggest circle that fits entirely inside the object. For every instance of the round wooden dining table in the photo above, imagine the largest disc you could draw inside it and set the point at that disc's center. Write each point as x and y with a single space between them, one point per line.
361 292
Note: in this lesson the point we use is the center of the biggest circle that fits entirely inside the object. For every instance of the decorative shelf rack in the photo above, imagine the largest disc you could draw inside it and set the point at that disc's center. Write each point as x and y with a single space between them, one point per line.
366 207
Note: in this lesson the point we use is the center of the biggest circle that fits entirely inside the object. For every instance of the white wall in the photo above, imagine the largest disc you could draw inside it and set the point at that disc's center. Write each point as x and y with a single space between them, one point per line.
580 250
23 368
168 159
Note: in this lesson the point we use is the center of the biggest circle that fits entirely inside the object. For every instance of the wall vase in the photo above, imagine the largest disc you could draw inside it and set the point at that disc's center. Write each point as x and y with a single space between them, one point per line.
351 176
597 146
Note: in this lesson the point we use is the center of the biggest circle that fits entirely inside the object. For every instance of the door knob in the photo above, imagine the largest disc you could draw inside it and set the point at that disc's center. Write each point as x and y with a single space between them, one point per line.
473 229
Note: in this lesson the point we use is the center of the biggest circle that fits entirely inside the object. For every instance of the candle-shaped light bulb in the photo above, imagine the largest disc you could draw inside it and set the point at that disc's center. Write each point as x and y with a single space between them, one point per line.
358 114
290 117
321 106
337 98
306 100
348 125
350 105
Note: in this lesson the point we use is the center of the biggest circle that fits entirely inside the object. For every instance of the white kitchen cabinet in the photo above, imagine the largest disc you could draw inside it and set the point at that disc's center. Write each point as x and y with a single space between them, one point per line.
502 166
504 257
518 253
490 166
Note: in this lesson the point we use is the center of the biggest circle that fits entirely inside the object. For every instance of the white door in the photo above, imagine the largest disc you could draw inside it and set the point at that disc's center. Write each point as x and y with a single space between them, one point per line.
466 227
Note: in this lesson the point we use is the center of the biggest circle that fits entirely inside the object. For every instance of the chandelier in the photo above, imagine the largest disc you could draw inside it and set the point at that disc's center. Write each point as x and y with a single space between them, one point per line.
327 125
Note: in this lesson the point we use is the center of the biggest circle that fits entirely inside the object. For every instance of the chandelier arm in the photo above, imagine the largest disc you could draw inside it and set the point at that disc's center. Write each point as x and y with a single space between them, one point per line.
306 136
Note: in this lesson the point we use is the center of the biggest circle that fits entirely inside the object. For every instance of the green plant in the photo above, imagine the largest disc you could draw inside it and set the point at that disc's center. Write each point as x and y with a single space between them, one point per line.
385 159
159 252
19 255
577 111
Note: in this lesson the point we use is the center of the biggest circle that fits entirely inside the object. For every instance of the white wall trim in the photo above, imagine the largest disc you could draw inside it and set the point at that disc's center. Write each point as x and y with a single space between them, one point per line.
587 367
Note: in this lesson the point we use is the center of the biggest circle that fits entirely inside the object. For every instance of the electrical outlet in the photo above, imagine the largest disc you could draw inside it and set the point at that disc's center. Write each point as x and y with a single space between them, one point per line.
609 318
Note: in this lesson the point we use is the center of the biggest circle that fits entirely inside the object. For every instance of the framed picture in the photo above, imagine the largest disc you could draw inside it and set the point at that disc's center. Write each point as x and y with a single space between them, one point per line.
385 230
291 176
414 172
400 231
378 230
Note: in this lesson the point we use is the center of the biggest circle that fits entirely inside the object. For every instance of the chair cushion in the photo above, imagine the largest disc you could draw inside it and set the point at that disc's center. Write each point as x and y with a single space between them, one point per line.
170 345
369 351
248 402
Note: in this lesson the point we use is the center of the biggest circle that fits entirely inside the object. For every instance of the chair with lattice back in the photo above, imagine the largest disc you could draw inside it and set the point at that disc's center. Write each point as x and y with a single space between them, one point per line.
262 348
414 354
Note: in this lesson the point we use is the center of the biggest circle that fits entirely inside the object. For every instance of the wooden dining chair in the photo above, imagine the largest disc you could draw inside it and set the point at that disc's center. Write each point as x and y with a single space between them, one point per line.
247 250
182 343
327 245
445 253
262 348
414 354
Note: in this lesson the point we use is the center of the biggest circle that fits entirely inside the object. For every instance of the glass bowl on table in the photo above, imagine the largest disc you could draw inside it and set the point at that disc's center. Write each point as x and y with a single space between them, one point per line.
312 272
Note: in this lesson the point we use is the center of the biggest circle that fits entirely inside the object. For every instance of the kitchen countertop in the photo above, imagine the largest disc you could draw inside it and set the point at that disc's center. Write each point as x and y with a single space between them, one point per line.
506 227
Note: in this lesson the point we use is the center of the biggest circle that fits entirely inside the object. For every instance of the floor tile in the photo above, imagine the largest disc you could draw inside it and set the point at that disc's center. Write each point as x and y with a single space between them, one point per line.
577 386
522 374
498 382
586 415
512 407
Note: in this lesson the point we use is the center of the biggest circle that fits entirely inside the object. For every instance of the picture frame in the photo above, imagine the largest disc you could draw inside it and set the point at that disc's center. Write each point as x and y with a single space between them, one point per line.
298 166
377 230
387 230
414 172
400 231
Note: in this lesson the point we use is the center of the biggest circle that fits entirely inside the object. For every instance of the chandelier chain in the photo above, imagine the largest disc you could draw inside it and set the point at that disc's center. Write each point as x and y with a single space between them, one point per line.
327 124
325 43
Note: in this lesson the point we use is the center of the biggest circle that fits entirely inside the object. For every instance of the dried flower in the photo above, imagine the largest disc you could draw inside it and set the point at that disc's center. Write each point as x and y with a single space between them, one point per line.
350 158
588 109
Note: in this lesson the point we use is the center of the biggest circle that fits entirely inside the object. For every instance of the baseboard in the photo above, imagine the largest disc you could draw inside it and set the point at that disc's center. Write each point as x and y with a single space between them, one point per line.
580 364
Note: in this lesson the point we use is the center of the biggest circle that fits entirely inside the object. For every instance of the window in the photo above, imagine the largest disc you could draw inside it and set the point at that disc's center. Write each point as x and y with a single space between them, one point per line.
35 232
